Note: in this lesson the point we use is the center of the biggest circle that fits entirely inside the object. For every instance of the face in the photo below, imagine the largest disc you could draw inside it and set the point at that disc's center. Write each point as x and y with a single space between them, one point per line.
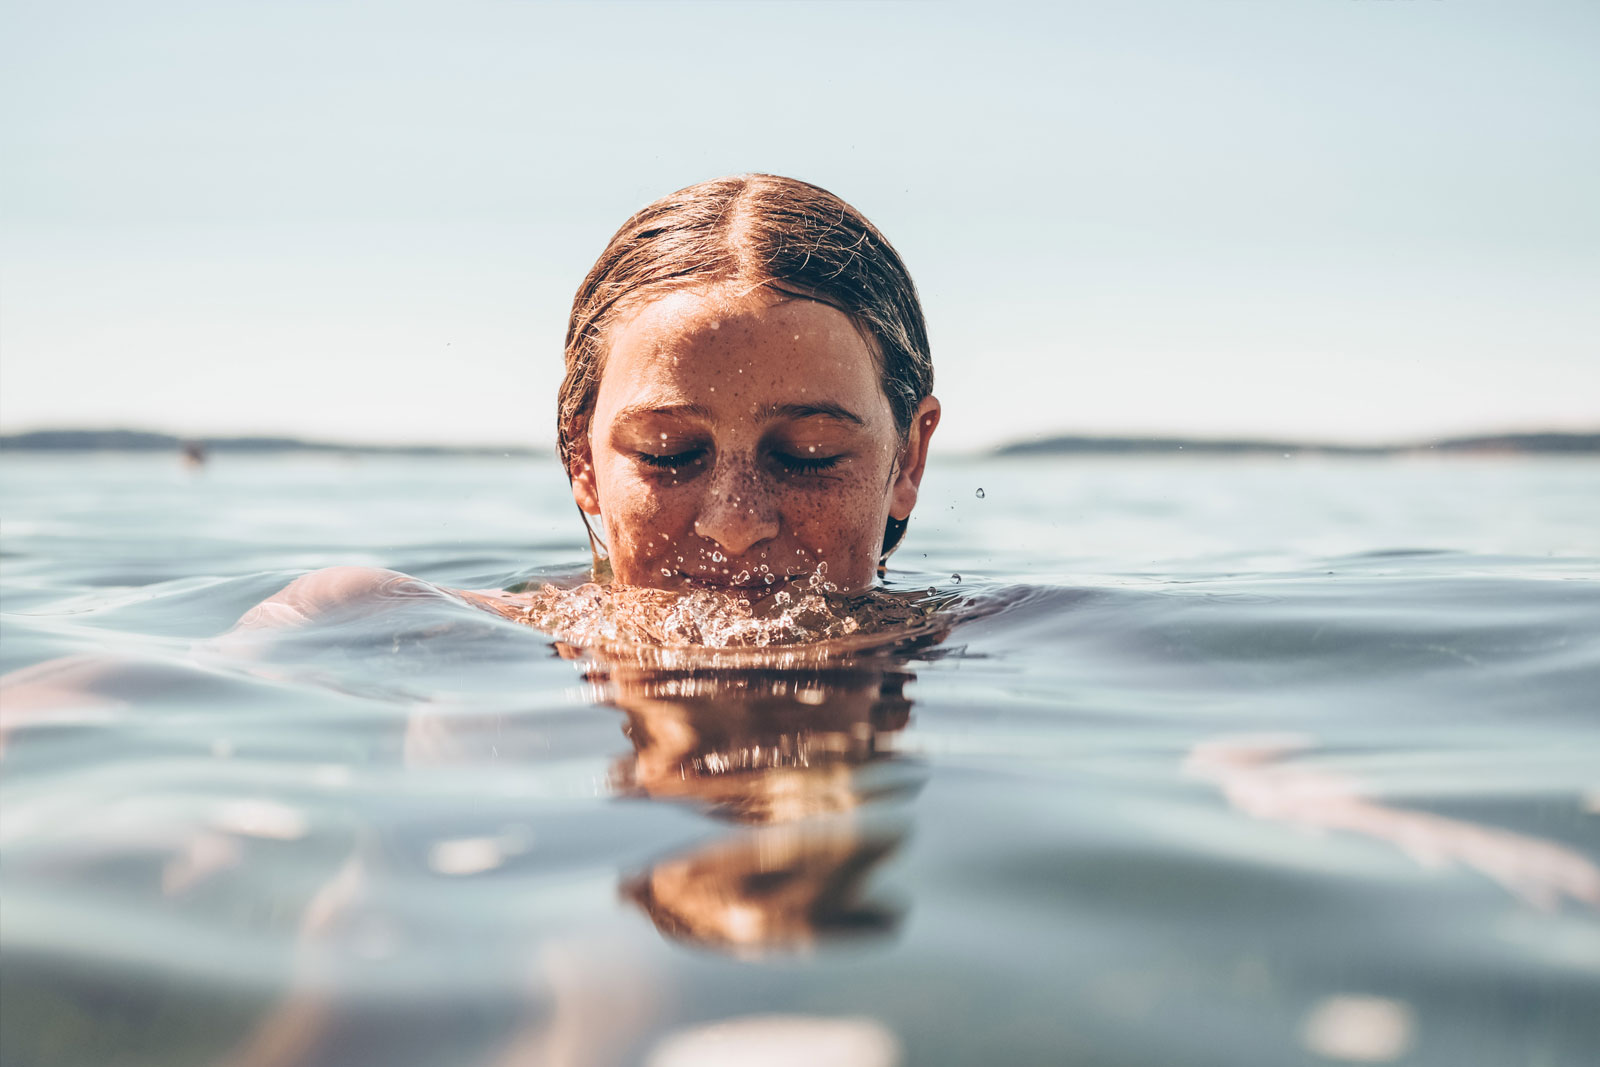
741 438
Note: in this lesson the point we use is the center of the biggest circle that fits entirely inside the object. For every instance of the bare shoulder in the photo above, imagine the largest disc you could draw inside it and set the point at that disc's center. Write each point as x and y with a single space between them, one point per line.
330 591
334 592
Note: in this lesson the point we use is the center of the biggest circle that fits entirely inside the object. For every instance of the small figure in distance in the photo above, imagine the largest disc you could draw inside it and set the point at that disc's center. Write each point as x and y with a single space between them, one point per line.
193 455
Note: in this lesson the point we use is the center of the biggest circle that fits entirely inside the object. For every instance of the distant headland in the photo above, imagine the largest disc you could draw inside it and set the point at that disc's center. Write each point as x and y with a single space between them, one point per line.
146 441
1485 444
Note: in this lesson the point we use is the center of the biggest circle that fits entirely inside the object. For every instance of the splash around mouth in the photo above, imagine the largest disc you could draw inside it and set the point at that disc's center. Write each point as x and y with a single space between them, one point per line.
745 581
803 616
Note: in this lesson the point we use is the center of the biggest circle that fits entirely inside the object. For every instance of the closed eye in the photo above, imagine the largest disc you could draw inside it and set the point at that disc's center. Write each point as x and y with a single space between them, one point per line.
806 464
677 459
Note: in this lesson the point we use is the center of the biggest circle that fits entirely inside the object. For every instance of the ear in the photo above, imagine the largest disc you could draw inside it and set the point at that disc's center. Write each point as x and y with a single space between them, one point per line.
580 469
913 458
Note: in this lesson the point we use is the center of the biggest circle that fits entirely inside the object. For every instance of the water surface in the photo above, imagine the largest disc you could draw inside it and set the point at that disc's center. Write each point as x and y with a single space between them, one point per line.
1216 761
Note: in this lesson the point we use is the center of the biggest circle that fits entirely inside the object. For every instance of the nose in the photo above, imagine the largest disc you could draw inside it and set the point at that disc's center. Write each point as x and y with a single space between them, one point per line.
738 510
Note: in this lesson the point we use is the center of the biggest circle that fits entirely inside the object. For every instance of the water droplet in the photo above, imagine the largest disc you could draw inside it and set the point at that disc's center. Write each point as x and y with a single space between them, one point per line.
979 494
955 577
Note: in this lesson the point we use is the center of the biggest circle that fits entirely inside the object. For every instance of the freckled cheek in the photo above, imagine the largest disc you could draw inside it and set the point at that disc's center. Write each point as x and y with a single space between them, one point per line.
843 517
645 518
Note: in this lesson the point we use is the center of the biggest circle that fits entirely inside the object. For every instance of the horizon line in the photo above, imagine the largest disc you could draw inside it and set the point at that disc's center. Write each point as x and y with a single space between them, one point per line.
124 439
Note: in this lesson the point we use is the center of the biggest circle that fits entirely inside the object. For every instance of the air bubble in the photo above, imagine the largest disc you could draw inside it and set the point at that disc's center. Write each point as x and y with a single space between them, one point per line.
979 494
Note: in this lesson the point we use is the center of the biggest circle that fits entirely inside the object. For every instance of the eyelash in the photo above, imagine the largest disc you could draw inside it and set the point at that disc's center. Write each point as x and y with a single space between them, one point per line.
677 459
791 464
804 464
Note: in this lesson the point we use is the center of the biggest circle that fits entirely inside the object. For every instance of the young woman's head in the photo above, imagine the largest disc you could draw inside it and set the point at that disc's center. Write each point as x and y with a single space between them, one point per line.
748 393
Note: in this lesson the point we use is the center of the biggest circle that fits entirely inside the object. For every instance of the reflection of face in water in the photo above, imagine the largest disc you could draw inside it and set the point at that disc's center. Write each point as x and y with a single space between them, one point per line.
796 756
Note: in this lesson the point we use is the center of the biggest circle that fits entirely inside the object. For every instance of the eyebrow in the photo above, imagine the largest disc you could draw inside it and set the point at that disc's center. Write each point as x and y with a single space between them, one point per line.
639 411
823 409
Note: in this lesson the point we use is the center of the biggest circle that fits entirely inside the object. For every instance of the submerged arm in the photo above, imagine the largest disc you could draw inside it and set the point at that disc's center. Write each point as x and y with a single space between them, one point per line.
1258 778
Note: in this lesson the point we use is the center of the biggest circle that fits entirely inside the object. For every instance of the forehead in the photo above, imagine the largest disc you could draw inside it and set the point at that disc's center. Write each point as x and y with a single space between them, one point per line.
705 346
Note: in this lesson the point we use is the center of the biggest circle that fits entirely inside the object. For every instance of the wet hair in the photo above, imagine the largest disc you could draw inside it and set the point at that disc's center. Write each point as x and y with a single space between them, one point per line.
759 231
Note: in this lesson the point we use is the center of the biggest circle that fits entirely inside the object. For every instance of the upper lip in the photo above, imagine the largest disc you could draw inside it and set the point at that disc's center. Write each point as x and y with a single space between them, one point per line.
730 580
750 580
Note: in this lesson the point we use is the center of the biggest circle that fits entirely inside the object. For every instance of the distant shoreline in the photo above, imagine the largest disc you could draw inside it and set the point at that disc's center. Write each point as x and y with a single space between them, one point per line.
58 441
1482 444
146 441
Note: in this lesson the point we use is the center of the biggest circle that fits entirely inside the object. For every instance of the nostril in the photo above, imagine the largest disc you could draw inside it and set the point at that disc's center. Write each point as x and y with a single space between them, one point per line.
736 529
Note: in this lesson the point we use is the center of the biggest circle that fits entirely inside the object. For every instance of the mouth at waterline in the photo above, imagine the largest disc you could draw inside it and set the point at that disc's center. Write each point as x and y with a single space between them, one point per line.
743 581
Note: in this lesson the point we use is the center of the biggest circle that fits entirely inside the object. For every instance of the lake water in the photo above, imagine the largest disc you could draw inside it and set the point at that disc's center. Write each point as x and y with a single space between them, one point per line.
1250 761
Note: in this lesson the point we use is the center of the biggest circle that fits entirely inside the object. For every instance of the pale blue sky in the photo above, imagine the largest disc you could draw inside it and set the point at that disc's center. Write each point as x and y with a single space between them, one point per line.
1342 219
